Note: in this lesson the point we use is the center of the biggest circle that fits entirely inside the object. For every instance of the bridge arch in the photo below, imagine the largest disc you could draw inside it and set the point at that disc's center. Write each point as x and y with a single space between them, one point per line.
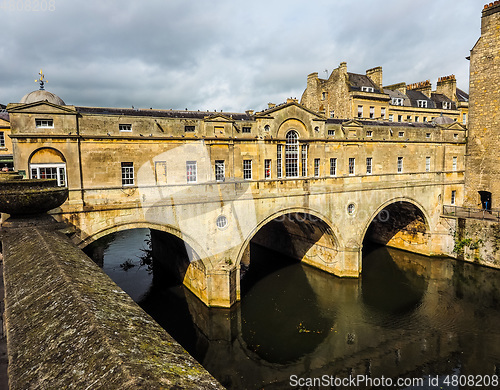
320 242
197 252
400 222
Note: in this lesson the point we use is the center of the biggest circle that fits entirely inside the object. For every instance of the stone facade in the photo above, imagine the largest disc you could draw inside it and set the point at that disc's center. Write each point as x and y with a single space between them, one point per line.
483 150
6 154
351 95
216 179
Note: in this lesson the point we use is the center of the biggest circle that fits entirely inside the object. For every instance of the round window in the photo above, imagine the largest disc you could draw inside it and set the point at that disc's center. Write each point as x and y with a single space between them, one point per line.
221 221
351 208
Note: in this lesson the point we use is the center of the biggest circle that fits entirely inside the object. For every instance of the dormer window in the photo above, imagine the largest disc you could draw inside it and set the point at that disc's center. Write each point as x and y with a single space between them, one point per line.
246 129
125 127
422 103
44 123
397 101
367 89
446 105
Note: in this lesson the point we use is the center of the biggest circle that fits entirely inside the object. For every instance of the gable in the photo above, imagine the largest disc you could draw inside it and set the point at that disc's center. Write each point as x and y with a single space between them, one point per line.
40 107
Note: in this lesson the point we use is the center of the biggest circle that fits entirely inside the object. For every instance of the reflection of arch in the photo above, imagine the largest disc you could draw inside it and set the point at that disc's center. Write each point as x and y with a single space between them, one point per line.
198 252
48 163
335 235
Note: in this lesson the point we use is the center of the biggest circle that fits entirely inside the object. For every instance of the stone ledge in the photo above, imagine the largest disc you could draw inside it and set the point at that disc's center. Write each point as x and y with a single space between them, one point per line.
70 326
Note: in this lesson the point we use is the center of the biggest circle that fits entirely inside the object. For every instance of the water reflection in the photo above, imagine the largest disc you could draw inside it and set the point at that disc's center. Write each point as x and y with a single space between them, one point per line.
407 316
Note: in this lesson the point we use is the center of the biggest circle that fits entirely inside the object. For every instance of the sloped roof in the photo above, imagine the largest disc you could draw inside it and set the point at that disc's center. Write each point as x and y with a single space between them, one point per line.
356 81
414 96
462 96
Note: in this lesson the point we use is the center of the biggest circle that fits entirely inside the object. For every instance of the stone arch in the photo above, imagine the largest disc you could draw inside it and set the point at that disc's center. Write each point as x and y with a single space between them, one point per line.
417 225
46 155
335 235
48 163
292 124
198 252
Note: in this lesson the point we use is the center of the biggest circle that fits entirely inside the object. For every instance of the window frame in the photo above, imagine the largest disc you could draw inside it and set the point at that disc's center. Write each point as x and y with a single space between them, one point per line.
44 123
267 168
125 127
220 170
400 164
317 165
369 165
333 166
60 172
127 173
247 169
352 166
191 171
2 139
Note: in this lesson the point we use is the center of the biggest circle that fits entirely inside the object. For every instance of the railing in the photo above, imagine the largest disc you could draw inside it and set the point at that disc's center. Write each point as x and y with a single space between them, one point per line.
468 212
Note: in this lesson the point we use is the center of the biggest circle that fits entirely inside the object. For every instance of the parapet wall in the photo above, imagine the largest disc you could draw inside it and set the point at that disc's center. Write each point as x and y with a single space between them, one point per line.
70 326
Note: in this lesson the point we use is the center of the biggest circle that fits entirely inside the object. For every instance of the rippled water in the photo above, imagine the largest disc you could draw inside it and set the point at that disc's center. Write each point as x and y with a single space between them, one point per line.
408 316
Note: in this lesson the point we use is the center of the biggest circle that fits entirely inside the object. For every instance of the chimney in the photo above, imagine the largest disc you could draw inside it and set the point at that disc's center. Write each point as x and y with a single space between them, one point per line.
249 112
424 86
291 100
375 75
447 86
271 105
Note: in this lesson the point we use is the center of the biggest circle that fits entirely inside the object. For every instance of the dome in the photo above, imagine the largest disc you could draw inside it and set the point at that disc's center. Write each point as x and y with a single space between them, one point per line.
40 96
443 120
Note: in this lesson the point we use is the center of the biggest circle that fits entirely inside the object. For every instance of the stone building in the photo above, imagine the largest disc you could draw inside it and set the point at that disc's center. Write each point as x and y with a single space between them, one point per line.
6 154
482 184
351 95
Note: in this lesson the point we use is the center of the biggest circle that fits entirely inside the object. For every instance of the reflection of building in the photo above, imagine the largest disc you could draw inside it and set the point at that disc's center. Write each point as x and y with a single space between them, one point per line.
6 157
351 95
483 174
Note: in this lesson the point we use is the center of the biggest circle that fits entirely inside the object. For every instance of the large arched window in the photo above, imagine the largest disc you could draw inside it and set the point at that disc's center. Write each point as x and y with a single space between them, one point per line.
48 163
292 154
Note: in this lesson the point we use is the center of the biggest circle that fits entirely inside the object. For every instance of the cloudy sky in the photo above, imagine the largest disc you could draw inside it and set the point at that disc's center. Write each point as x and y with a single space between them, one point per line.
228 55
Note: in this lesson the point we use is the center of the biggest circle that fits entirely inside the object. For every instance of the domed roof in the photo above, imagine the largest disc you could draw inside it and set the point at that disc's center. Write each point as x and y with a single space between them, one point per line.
40 96
443 120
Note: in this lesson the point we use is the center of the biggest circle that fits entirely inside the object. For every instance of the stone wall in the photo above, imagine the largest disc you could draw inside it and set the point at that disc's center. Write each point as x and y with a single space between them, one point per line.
70 326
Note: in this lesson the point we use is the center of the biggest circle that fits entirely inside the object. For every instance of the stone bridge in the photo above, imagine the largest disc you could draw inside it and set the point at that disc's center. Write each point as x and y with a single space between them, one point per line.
322 222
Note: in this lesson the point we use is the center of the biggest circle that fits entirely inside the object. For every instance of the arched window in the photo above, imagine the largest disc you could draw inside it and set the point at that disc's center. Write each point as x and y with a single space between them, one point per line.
48 163
292 154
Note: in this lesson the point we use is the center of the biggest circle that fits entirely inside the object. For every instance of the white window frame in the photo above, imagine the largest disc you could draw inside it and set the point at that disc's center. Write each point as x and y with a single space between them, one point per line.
427 164
128 178
422 103
247 169
292 154
391 117
331 133
360 111
220 170
303 153
317 163
333 166
464 118
401 134
125 127
372 112
454 163
60 173
369 165
279 160
397 101
44 123
400 164
352 166
367 89
446 105
369 133
382 112
246 129
267 168
2 139
400 118
191 171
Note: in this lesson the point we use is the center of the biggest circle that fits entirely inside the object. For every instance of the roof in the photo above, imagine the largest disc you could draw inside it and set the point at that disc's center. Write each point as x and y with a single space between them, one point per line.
159 113
357 81
399 95
462 96
40 96
383 123
439 99
415 96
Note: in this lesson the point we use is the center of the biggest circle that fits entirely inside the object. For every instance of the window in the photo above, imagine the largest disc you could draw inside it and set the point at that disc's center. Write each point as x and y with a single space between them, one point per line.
455 136
422 103
44 123
161 172
191 171
453 196
50 171
446 105
125 127
246 129
316 129
369 161
391 117
360 111
352 166
427 135
220 170
332 114
454 163
2 139
372 112
331 132
425 119
279 164
292 154
400 164
333 167
247 169
323 95
316 167
304 160
367 89
401 134
188 129
417 118
369 133
408 118
397 101
400 118
427 164
267 169
382 112
221 221
351 208
267 128
127 174
464 118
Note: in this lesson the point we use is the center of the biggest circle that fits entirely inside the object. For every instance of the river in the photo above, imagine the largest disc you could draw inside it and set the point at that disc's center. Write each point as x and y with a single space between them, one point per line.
407 317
